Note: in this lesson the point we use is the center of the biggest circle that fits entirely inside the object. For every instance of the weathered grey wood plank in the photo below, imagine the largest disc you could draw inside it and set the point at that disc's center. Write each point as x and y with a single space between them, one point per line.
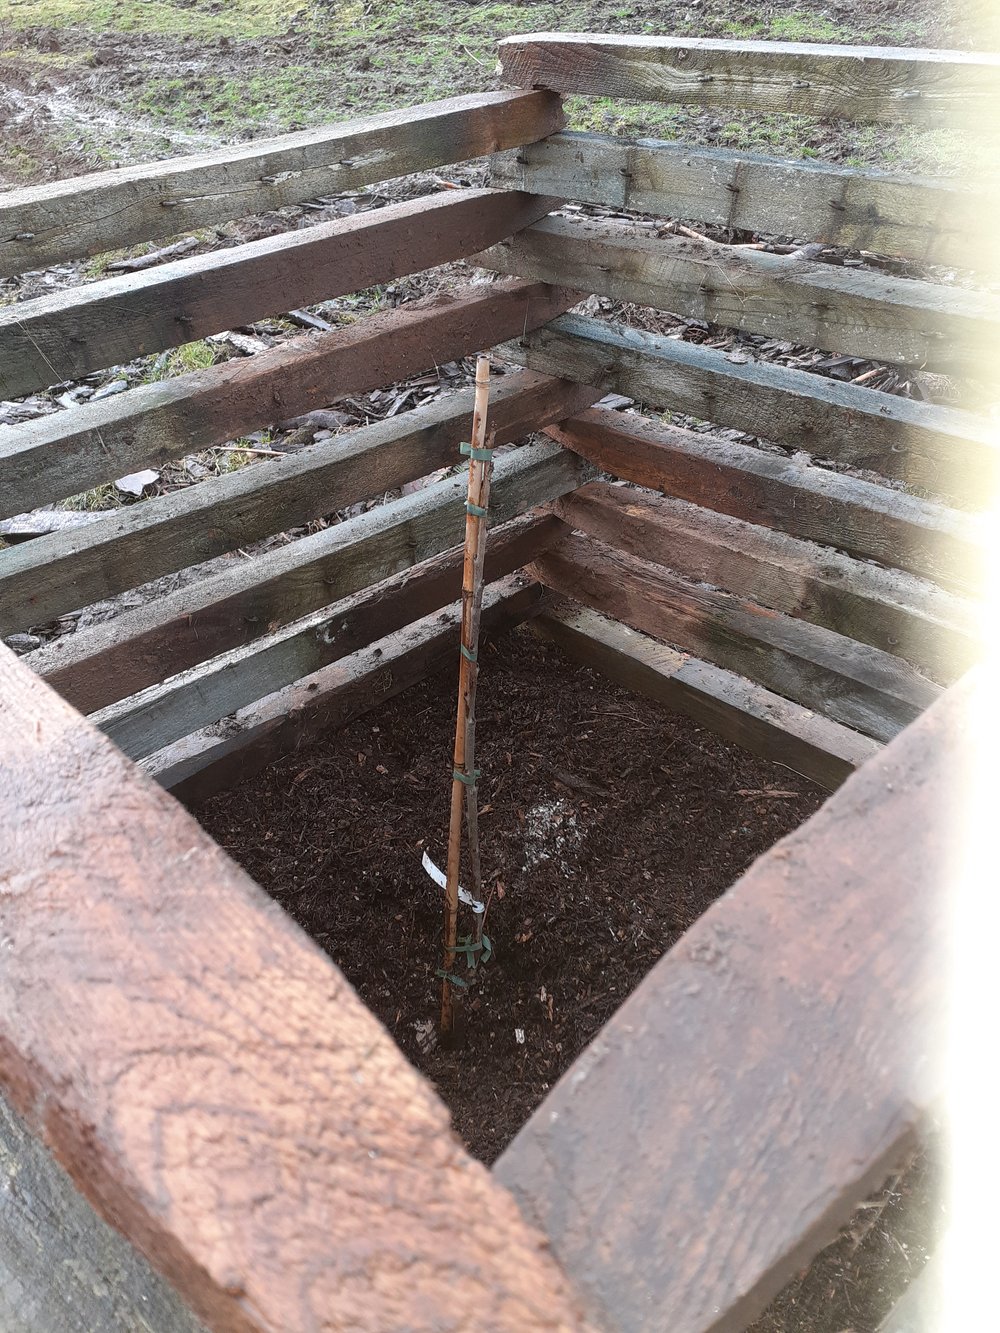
166 712
723 701
108 210
775 1065
857 517
945 450
850 683
69 452
62 1268
215 758
933 221
936 631
856 82
855 312
66 570
210 1081
81 329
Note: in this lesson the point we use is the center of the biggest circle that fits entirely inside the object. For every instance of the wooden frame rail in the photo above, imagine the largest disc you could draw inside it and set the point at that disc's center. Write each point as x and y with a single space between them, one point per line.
208 1079
945 450
109 210
857 82
794 1036
932 221
844 310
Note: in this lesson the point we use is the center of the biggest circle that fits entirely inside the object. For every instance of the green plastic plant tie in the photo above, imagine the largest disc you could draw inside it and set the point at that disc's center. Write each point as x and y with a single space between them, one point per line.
469 654
478 510
468 778
471 451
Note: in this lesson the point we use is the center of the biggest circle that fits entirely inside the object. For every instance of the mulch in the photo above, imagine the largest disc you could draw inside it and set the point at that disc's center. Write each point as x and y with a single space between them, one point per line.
609 824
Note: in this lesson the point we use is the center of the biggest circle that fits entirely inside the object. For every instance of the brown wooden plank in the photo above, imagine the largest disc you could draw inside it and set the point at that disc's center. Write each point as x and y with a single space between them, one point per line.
937 631
944 450
81 329
107 210
724 701
850 683
62 1268
215 758
847 310
805 78
857 517
933 221
70 452
51 575
96 666
209 1080
773 1067
166 712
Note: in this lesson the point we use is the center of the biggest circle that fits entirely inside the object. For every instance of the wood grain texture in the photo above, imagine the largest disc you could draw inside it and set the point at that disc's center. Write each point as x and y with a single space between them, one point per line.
933 221
723 701
62 1268
215 758
774 1066
209 1080
850 683
856 82
129 547
936 631
69 452
430 535
105 662
107 210
845 310
947 451
71 333
856 517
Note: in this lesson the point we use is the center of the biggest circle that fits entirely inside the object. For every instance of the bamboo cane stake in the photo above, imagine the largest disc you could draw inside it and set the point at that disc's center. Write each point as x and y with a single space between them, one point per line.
464 779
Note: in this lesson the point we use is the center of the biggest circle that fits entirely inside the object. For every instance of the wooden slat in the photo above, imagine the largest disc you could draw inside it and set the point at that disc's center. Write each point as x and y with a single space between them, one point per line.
62 1268
166 712
723 701
857 517
855 312
856 82
941 449
106 662
79 330
933 221
108 210
210 1081
774 1066
69 452
213 759
51 575
850 683
936 631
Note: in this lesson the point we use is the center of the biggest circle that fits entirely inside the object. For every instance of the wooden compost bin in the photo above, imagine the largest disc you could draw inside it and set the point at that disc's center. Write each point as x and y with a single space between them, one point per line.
205 1129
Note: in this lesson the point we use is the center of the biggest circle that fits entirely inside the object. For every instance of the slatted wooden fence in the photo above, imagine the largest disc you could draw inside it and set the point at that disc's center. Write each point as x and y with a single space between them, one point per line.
218 1131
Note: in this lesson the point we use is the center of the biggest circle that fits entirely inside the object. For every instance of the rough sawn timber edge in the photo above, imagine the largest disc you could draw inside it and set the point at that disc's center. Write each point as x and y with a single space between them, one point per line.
820 981
222 1096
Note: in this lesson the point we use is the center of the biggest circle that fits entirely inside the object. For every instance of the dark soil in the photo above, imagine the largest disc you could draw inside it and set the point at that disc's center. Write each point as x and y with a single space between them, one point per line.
609 824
